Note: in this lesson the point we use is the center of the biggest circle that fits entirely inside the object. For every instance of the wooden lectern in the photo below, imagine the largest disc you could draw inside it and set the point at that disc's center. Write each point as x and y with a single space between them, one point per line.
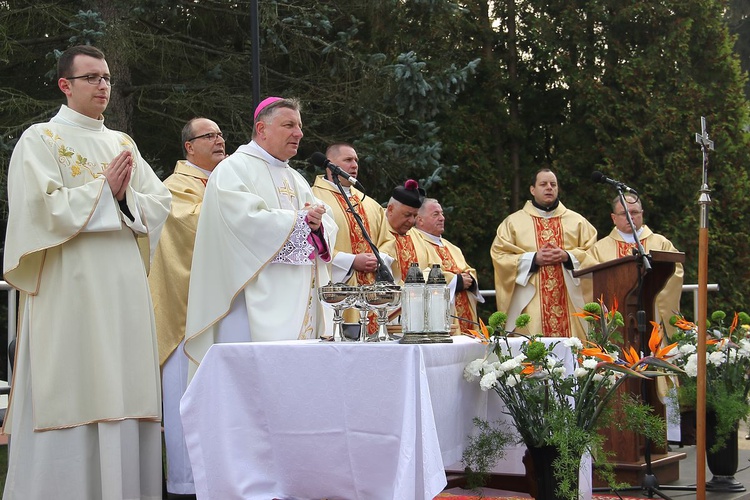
619 279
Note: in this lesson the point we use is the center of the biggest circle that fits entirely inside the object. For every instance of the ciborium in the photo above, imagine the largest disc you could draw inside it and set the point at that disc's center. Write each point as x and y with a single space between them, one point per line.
338 296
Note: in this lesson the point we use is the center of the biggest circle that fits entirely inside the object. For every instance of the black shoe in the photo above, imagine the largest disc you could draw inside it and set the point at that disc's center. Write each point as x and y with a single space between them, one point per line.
747 436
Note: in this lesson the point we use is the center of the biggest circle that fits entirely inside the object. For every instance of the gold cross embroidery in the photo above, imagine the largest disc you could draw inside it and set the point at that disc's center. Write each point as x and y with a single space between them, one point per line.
287 190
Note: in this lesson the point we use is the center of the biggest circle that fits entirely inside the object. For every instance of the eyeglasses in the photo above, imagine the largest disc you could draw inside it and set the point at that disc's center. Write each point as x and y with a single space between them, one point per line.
211 136
93 79
633 213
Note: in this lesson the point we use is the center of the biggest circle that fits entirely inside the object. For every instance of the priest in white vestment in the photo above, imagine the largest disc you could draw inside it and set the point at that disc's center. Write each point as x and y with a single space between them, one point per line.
203 146
263 245
535 252
86 211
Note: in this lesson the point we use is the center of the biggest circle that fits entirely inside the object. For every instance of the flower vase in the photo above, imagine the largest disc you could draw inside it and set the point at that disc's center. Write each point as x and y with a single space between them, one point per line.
543 484
723 463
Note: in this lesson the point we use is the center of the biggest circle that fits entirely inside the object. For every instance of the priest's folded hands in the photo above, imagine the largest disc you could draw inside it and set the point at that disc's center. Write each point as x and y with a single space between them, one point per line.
314 215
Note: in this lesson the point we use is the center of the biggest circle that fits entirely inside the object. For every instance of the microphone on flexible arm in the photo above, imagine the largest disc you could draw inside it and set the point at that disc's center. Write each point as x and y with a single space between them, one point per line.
597 176
319 160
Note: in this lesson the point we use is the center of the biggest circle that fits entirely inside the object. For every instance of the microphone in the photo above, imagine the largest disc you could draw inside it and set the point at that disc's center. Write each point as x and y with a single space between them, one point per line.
597 176
319 160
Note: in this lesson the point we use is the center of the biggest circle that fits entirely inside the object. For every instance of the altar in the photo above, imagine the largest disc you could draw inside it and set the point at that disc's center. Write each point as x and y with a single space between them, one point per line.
310 419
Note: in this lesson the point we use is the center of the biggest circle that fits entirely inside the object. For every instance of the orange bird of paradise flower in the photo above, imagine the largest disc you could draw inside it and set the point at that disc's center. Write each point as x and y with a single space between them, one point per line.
484 336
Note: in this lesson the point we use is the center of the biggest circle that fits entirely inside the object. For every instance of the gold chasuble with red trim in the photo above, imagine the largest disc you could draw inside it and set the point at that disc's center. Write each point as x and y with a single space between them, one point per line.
550 295
405 251
463 306
554 302
359 244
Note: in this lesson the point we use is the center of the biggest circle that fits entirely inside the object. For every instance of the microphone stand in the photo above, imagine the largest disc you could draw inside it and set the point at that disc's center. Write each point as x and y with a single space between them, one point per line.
383 274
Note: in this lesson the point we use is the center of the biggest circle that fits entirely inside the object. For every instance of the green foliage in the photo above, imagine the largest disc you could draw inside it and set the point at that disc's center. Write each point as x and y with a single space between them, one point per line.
469 97
727 366
554 404
484 449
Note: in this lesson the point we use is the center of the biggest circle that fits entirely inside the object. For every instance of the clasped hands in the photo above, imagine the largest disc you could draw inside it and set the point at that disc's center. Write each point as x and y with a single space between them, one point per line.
550 254
314 216
118 174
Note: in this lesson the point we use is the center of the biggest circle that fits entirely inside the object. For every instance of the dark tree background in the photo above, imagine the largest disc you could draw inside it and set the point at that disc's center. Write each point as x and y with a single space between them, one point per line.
469 97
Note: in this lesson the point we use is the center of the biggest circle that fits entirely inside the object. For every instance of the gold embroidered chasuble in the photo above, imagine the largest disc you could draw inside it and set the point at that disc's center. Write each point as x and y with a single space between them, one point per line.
452 262
74 255
613 246
170 267
400 248
551 294
246 221
350 238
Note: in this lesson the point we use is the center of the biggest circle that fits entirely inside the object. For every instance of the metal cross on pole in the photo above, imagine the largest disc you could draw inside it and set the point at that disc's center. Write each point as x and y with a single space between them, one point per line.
700 410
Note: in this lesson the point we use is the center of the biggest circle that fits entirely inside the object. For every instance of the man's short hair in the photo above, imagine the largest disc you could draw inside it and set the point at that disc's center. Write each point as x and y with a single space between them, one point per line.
423 208
187 133
65 62
629 198
533 179
334 147
267 112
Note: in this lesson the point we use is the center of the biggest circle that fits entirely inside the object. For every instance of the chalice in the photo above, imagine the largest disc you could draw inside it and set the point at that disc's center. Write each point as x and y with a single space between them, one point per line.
382 297
338 296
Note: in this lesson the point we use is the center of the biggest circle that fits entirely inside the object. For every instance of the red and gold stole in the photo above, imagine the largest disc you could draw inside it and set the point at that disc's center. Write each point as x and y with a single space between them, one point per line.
406 253
359 244
624 249
553 295
463 306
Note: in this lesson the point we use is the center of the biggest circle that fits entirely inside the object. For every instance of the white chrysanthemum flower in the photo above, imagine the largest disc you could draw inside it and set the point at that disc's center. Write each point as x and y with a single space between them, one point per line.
691 367
716 358
509 365
472 370
488 381
519 358
674 352
512 380
590 363
580 372
687 349
598 377
550 362
559 371
573 343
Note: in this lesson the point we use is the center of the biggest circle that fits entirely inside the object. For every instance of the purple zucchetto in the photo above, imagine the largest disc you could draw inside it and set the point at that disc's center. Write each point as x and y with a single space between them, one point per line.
265 103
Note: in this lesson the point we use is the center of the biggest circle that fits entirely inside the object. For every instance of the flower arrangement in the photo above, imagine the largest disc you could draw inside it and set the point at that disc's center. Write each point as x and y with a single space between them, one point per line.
552 405
727 368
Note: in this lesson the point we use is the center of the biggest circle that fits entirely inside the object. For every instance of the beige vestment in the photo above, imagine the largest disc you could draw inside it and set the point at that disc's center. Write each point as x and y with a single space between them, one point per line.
87 360
667 301
549 294
430 252
169 280
349 239
400 248
170 267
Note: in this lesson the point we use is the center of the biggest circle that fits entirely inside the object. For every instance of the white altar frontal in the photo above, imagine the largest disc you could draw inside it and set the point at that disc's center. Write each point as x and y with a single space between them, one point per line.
333 420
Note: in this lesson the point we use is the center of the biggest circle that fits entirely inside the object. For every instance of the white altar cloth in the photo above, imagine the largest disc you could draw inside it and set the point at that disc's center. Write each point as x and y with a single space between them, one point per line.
308 419
313 420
